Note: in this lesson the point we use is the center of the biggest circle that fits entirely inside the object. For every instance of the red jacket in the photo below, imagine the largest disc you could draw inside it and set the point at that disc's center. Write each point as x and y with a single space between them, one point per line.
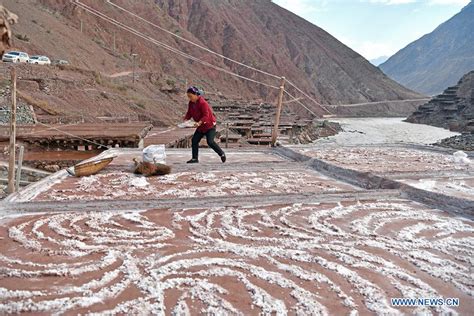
201 111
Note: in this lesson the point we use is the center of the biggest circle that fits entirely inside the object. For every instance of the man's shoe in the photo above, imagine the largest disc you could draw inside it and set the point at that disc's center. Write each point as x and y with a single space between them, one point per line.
223 158
193 161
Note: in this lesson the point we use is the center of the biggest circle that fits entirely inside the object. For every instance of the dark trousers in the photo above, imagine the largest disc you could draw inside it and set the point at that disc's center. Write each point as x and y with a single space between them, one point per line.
210 135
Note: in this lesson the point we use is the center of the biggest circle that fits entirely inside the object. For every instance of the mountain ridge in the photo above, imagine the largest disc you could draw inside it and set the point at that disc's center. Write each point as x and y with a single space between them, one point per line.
258 33
437 59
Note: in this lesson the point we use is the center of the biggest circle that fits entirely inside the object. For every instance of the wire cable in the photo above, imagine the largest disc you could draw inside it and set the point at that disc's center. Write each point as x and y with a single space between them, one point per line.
75 136
164 45
191 42
300 103
185 55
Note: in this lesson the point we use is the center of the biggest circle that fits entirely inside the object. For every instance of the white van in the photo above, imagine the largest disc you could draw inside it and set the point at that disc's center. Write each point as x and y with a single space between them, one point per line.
15 57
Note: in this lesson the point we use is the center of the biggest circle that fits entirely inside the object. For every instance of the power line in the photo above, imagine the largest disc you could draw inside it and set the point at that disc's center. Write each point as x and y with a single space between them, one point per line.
191 42
185 55
300 103
213 52
379 102
164 45
44 130
75 136
306 95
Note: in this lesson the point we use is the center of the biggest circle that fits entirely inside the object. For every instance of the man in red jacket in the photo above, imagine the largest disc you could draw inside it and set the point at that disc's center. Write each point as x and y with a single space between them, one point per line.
200 111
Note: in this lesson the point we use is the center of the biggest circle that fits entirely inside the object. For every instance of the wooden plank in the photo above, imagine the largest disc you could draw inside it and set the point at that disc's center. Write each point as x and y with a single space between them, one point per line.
19 167
11 165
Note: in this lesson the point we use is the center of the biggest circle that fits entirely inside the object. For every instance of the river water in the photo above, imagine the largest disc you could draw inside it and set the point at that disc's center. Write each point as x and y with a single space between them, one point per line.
373 131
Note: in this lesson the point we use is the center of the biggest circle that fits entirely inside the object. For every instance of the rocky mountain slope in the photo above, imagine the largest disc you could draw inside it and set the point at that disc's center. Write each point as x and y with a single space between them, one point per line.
453 109
67 94
7 19
438 59
258 33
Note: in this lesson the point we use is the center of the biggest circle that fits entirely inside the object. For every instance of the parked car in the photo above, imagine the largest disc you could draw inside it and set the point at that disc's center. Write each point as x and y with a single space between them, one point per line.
39 60
60 62
16 57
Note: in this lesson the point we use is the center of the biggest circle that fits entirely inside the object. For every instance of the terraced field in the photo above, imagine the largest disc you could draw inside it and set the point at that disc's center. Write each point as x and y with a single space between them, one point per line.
271 246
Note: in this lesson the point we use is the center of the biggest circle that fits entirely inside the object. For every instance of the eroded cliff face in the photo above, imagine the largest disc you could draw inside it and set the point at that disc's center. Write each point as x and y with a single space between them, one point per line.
7 19
453 109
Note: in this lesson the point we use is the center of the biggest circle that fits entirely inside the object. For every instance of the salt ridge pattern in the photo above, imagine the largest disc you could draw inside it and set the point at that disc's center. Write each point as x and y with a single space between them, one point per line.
301 258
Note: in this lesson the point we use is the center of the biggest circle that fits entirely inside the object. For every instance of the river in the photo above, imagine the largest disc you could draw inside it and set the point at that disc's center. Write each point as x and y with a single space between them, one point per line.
373 131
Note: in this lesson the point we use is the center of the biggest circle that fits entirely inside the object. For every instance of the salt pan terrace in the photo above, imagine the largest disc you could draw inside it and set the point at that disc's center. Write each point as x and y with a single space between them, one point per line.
269 232
247 173
424 167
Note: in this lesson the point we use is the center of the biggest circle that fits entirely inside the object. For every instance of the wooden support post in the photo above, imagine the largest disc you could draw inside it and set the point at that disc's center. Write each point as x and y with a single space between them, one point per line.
115 42
18 170
278 112
11 163
134 57
227 135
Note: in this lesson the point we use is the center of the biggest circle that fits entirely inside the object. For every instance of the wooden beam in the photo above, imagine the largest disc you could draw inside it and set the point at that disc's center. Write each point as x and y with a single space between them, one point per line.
292 100
226 135
20 166
11 163
278 112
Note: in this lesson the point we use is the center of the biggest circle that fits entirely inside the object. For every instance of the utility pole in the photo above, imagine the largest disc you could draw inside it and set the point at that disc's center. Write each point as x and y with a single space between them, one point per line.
19 167
227 135
134 57
278 112
115 46
11 163
81 26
